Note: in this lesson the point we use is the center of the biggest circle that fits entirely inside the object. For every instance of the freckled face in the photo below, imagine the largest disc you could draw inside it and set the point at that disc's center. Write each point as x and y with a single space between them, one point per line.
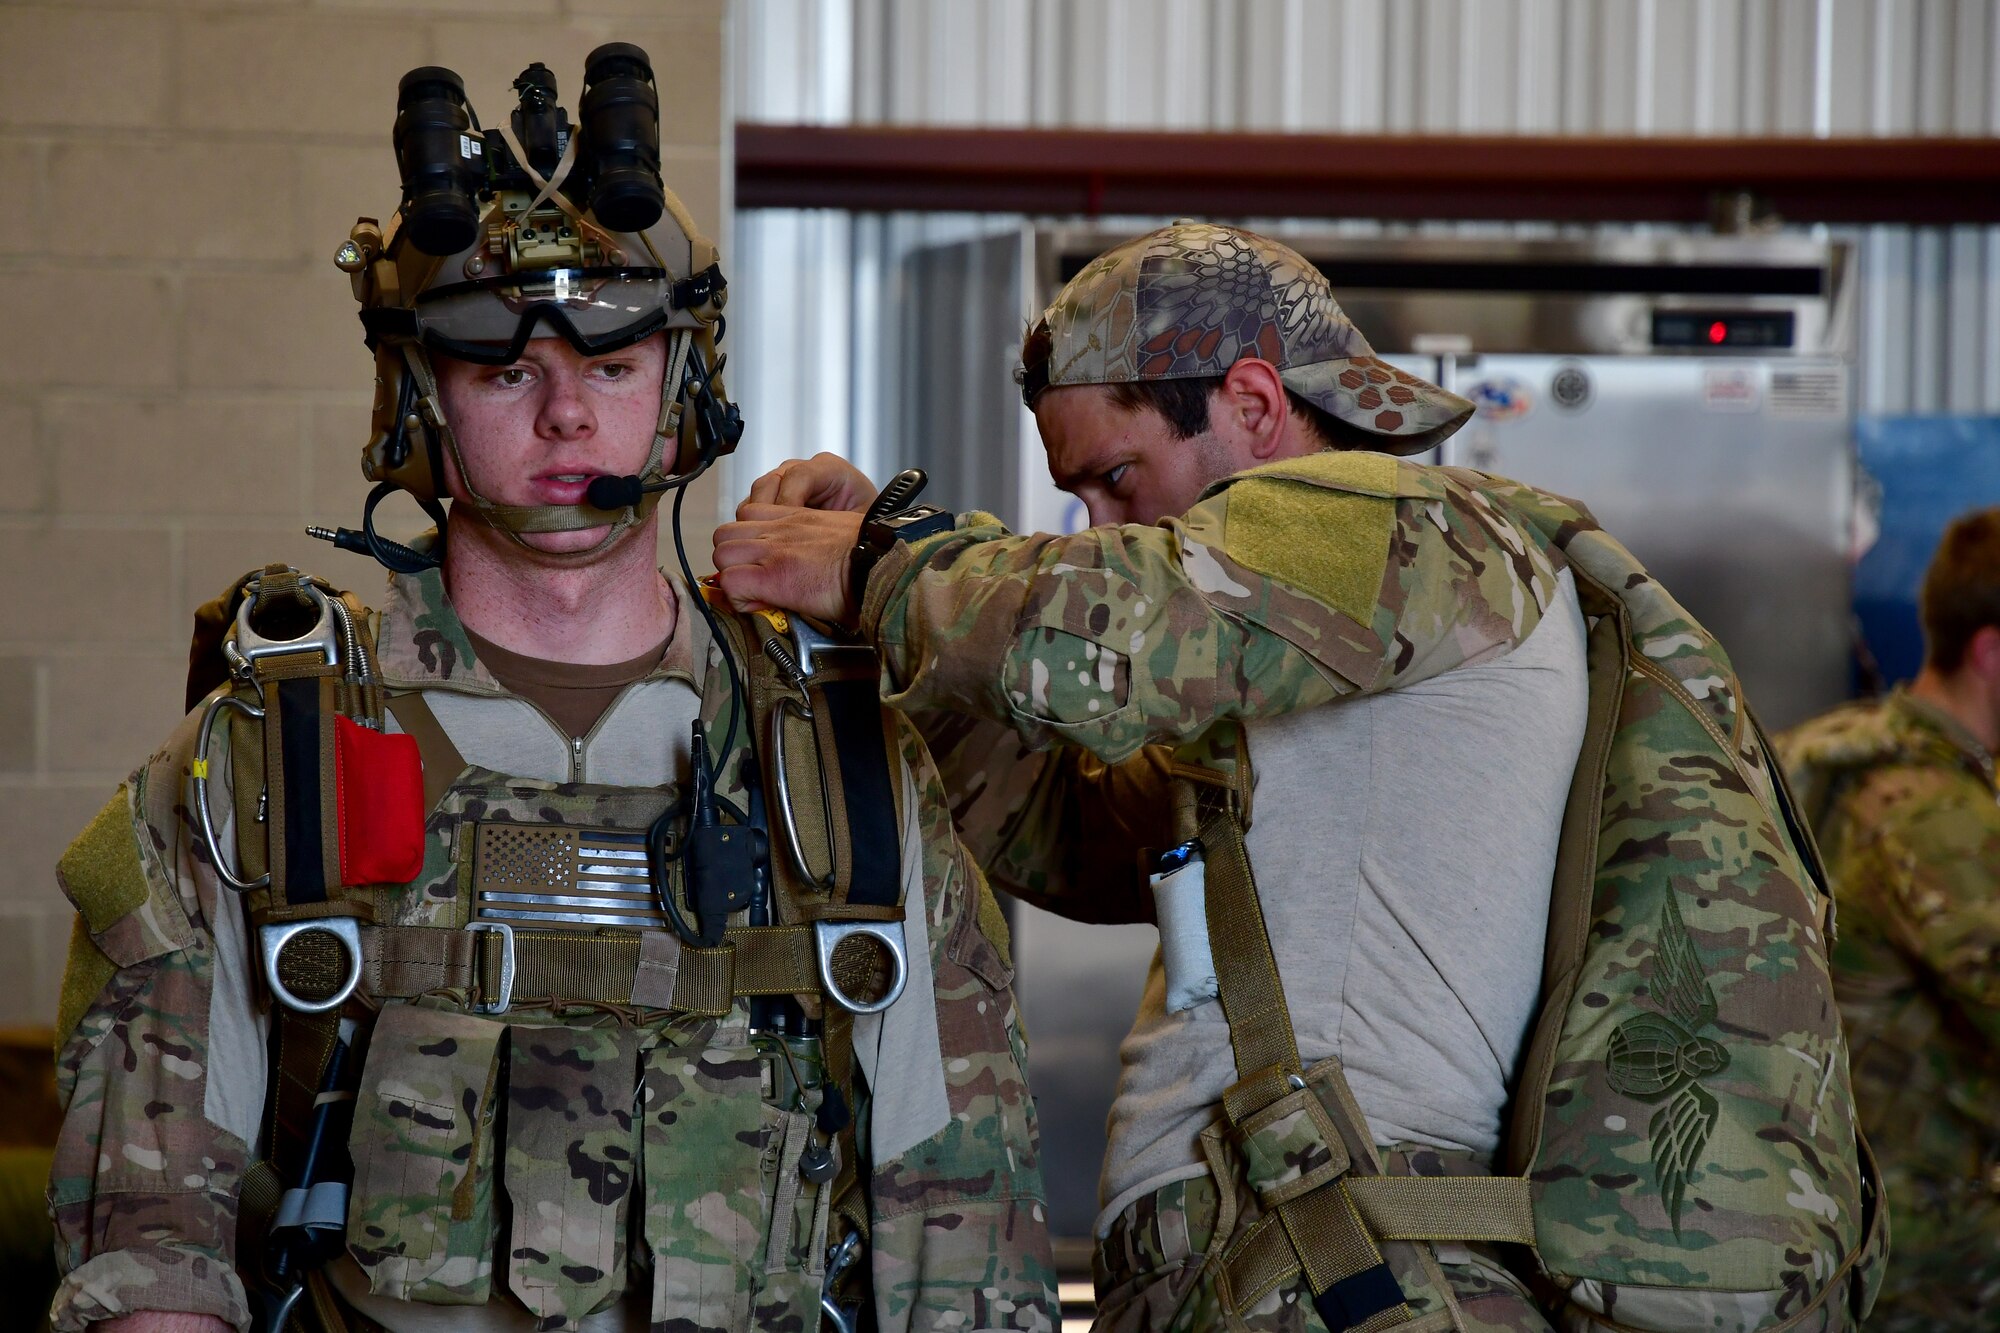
1125 464
536 431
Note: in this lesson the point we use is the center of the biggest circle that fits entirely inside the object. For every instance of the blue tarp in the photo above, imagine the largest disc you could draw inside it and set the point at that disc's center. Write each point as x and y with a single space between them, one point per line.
1931 470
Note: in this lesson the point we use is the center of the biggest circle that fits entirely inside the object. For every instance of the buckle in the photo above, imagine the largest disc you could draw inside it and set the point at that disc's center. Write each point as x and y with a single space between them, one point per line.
504 996
828 935
272 940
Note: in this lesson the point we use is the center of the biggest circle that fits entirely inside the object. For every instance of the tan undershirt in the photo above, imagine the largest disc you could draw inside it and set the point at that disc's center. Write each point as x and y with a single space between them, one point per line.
574 694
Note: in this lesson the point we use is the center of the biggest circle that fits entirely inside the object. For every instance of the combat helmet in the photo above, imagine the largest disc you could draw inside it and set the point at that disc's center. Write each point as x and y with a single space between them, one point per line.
534 228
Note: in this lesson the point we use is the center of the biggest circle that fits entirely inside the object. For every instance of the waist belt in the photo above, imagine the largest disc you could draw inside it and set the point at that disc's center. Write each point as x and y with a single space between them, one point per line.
497 966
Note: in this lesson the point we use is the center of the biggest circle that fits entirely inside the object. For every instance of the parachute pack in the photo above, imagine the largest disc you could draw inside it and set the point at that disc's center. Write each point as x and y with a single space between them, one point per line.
1681 1152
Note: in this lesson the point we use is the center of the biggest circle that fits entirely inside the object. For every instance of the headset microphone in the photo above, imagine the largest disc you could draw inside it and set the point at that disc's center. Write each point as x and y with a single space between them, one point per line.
618 492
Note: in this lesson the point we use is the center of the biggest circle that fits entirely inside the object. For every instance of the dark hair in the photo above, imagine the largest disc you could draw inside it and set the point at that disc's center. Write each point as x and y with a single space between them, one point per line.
1184 404
1961 593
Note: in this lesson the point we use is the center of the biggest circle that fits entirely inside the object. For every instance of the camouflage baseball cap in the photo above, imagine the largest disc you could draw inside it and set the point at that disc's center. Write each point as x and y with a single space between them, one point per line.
1190 300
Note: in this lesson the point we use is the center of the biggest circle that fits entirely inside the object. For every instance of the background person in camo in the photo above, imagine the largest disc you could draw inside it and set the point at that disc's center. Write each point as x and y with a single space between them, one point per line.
1403 842
1902 797
598 1149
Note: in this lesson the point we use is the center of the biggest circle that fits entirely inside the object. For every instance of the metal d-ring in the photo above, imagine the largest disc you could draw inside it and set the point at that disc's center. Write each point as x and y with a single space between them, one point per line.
793 845
273 939
200 771
828 935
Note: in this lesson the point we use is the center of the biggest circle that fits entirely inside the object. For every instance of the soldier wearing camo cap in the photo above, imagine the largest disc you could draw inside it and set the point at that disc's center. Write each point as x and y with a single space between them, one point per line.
429 975
1361 684
1903 799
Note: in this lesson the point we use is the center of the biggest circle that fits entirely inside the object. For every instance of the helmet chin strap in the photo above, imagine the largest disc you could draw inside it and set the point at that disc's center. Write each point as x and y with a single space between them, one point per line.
521 521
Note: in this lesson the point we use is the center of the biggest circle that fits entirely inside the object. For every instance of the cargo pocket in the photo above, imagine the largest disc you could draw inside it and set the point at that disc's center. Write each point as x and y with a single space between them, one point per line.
713 1152
420 1221
571 1165
1063 682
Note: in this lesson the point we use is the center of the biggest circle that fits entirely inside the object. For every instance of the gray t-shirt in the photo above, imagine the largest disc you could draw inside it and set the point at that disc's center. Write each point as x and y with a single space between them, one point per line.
1404 845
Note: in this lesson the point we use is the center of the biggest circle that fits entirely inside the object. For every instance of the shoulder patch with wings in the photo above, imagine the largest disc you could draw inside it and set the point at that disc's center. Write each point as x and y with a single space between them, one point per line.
1661 1056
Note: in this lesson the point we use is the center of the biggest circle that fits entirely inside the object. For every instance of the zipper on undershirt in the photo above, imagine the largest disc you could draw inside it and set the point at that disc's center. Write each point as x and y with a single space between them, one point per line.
576 758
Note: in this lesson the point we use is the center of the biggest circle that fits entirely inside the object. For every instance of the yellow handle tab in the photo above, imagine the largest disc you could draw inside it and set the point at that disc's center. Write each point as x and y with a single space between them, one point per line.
200 769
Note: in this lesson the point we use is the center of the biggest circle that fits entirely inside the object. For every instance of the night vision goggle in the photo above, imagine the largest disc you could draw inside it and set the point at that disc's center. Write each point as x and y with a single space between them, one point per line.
489 321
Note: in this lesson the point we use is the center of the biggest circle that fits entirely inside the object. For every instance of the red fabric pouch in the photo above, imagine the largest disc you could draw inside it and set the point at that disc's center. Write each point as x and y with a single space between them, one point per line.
379 784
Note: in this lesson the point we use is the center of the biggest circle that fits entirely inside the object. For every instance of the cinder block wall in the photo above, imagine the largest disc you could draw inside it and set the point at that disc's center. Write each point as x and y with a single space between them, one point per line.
182 381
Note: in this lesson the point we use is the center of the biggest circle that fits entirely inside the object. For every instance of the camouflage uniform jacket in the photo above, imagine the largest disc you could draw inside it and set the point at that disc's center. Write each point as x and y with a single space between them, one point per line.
162 1067
1903 802
1217 614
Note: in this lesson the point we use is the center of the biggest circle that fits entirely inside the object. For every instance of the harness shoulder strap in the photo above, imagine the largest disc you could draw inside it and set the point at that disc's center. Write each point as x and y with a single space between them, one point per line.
441 759
1304 1142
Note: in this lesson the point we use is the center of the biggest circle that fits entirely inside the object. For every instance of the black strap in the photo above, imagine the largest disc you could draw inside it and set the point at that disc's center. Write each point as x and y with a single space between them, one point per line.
1355 1300
863 756
299 751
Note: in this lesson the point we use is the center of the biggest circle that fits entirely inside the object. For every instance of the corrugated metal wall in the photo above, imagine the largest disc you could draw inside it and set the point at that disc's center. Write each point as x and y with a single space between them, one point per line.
1930 305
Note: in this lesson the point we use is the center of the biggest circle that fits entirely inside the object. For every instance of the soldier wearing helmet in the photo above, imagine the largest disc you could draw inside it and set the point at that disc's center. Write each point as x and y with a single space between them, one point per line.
1353 691
1902 797
542 949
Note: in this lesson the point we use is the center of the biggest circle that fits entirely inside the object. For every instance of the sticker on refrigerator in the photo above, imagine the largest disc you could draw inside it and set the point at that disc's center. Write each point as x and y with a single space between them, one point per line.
1501 399
1569 387
1809 391
1729 388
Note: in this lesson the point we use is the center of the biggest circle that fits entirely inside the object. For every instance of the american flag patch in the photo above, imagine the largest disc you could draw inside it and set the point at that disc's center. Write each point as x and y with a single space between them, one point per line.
562 875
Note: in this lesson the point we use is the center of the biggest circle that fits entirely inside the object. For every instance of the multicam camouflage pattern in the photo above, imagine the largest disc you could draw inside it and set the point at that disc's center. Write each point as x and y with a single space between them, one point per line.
1192 299
572 1165
1717 1135
712 1147
1159 1269
145 1182
1290 1147
143 1188
1902 800
980 1177
423 1225
1694 1154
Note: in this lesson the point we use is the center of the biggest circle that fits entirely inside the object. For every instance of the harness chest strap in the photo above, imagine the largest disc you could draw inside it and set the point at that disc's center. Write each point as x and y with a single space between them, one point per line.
496 968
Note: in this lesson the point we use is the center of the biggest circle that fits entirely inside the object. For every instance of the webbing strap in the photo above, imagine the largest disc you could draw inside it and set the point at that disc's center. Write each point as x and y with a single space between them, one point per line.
402 962
1265 1259
441 760
1495 1209
301 809
853 709
1351 1286
1253 998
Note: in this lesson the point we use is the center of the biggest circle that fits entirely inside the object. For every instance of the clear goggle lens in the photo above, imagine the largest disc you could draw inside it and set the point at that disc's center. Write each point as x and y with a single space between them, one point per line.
596 310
